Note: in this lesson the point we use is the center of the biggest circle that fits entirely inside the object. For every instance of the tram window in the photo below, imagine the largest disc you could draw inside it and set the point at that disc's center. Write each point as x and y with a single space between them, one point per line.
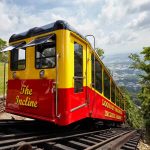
98 76
78 68
106 85
121 101
113 92
45 56
92 73
18 59
117 97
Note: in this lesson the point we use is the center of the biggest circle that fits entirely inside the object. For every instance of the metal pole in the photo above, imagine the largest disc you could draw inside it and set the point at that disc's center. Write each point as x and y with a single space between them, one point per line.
56 102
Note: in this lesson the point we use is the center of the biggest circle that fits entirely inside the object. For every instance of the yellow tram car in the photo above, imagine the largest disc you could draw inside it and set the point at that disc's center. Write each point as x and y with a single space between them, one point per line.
55 75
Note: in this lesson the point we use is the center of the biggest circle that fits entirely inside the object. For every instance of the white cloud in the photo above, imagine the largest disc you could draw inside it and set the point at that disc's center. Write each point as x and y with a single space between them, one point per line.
140 2
86 2
141 22
114 10
6 20
15 19
110 21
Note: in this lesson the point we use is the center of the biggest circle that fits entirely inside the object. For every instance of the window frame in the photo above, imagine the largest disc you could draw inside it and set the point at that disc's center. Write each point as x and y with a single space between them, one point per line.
121 101
113 91
17 61
76 90
106 72
100 66
35 50
117 97
92 71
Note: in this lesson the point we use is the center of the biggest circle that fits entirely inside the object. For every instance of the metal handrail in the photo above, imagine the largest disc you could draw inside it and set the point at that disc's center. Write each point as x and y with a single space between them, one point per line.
56 99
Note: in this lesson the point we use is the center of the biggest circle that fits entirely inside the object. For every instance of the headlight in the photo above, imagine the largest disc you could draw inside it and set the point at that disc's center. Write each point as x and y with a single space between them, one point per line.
42 73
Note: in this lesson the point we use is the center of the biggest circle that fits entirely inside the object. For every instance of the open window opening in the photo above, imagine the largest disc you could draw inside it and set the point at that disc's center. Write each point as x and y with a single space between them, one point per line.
18 57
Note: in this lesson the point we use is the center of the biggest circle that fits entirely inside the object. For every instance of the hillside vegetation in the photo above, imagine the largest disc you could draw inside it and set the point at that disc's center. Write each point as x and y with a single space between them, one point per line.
143 64
3 58
2 77
133 113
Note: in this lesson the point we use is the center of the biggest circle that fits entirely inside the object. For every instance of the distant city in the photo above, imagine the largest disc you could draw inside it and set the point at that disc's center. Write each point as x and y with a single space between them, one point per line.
119 66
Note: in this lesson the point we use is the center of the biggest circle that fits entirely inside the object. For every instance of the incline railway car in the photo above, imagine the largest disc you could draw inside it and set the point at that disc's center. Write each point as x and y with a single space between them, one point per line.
56 76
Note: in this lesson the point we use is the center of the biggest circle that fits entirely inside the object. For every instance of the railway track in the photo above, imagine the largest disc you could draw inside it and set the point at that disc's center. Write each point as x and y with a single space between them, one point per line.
35 135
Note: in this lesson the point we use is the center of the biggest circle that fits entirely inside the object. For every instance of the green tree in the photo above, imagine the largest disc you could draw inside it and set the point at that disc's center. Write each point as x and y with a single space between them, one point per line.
142 63
3 56
99 51
133 113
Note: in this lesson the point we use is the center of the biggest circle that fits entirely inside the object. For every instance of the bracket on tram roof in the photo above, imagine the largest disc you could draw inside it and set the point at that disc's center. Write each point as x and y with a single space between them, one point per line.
39 41
11 47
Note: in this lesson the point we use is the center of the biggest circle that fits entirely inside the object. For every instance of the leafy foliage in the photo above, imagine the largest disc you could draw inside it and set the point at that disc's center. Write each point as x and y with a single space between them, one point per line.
99 51
133 113
3 56
142 63
2 44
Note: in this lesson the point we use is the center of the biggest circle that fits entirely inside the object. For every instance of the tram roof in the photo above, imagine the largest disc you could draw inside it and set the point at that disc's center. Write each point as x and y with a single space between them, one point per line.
59 24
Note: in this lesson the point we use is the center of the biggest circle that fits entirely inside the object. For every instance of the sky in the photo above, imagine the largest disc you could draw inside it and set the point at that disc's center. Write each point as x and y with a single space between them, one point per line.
119 26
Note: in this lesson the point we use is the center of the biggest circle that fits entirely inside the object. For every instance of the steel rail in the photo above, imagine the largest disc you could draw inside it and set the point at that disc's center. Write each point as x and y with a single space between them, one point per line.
106 141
